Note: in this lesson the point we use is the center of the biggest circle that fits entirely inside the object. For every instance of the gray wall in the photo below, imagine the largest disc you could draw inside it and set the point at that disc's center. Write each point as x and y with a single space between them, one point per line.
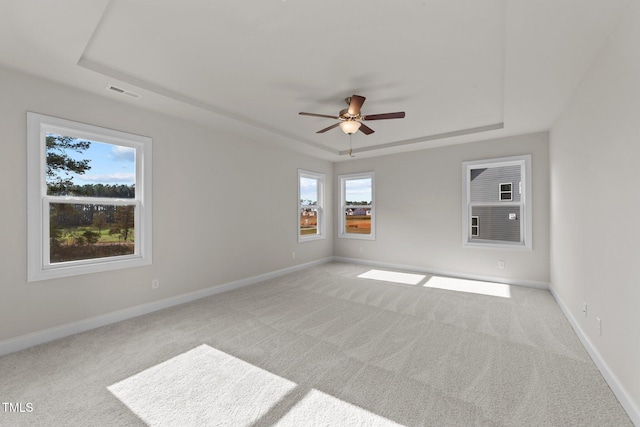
418 199
206 188
594 152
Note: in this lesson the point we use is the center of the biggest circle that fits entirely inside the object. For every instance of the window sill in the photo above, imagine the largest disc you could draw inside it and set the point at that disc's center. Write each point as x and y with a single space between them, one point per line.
310 238
494 245
356 236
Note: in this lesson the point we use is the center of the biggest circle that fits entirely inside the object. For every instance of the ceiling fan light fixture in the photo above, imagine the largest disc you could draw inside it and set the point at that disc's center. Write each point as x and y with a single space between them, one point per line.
350 126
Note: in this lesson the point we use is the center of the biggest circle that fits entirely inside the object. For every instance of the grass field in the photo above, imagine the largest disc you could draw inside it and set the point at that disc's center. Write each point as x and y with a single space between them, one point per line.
358 224
105 237
308 224
73 246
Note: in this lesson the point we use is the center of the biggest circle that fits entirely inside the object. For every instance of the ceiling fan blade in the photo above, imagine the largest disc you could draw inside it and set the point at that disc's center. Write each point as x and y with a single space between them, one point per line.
355 104
329 128
319 115
384 116
366 129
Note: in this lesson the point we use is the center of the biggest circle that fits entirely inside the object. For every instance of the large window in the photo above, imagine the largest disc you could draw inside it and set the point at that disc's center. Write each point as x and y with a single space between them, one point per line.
357 211
89 196
496 202
311 206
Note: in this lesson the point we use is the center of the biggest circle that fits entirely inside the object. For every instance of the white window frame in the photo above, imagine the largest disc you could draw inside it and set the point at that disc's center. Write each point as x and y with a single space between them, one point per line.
39 267
525 204
320 207
342 233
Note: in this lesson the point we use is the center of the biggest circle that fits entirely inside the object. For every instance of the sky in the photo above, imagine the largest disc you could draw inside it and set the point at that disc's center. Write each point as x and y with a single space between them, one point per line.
308 189
110 164
358 190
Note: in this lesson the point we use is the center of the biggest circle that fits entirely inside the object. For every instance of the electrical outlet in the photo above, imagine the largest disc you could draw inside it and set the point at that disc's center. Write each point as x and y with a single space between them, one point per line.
361 249
501 264
599 325
584 308
155 283
293 255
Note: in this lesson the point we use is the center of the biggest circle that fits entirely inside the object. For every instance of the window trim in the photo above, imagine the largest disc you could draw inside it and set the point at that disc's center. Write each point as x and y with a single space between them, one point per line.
38 265
320 207
342 179
526 212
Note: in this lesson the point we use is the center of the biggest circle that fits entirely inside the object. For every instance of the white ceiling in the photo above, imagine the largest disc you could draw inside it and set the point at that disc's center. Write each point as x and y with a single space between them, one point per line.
462 70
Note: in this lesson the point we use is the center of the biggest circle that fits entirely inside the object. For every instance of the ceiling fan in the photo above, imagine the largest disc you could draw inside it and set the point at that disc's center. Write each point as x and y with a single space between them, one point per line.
351 119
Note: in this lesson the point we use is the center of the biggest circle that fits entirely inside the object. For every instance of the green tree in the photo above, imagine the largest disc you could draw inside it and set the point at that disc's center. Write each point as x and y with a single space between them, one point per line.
60 165
124 222
91 237
100 221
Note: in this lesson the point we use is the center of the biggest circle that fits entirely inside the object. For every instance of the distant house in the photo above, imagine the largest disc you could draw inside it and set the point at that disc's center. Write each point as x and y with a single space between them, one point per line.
496 203
361 211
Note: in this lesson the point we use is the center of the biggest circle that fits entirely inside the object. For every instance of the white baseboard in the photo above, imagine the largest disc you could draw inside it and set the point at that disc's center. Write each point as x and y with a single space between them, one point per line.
41 337
621 393
506 281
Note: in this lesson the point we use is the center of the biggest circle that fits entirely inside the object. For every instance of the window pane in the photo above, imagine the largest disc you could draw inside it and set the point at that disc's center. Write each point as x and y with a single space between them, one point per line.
496 224
82 168
308 191
308 221
358 191
358 220
85 231
485 184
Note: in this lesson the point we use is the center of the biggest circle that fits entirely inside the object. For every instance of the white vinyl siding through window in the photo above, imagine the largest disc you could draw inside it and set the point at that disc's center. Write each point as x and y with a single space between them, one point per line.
495 194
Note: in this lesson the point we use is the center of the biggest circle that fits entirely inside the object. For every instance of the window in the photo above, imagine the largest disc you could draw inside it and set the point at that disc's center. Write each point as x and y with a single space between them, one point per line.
475 226
89 198
505 214
311 206
506 192
357 212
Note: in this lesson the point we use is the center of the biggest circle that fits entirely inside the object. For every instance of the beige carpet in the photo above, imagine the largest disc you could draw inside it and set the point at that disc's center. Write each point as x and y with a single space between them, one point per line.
323 347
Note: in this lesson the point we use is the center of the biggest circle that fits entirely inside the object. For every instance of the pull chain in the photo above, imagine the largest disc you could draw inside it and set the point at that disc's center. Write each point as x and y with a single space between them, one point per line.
350 149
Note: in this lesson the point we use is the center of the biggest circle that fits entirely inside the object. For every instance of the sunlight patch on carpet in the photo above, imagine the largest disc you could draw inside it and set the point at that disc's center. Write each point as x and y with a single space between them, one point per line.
471 286
393 276
205 386
321 409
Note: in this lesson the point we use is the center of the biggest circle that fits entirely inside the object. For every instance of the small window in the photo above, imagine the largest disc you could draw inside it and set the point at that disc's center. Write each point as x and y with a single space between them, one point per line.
89 195
311 206
357 212
475 226
505 214
506 191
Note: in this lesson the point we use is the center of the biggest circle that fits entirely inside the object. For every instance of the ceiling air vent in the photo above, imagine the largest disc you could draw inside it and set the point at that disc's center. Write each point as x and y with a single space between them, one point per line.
123 92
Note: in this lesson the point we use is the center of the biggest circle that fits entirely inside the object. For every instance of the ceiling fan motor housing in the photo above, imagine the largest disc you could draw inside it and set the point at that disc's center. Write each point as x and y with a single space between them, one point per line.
344 115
